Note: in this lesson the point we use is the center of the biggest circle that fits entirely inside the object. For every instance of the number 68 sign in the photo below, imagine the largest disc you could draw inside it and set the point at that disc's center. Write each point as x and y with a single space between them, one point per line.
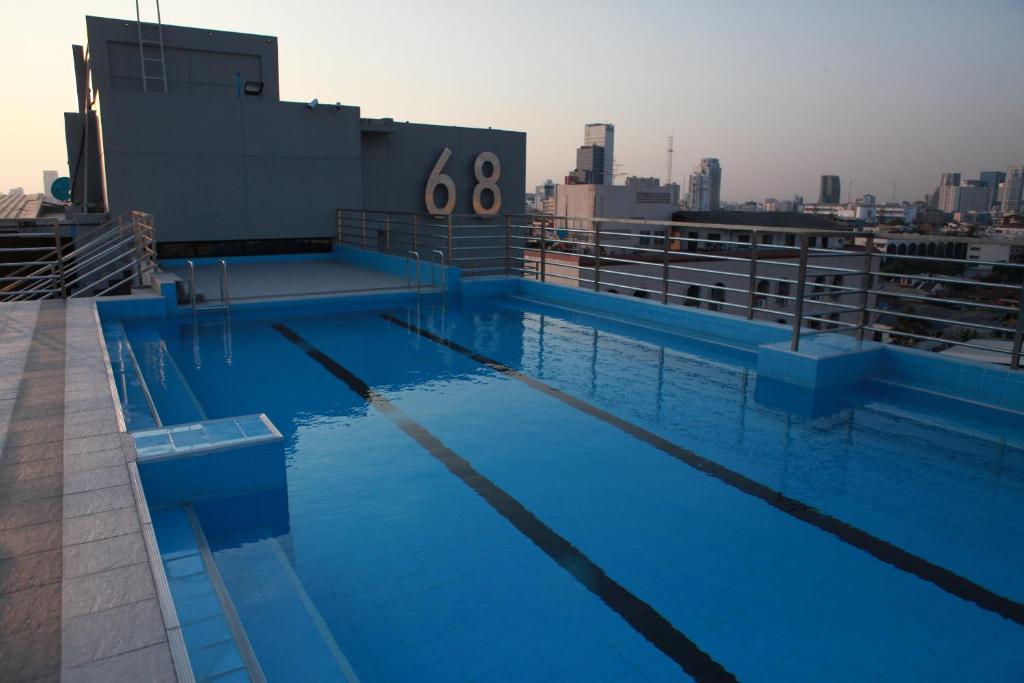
484 183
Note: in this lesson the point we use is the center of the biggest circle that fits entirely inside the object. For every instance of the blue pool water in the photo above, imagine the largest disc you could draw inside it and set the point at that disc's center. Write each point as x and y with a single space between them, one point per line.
381 559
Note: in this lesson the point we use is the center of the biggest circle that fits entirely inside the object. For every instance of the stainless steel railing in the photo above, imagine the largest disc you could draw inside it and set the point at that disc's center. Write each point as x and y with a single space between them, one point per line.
91 262
814 280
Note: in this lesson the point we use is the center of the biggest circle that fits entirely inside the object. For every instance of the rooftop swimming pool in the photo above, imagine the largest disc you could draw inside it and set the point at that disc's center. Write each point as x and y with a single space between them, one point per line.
515 490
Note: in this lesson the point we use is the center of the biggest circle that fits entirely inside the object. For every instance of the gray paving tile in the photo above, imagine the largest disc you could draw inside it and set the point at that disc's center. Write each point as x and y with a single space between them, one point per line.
30 468
79 405
33 452
107 589
29 571
14 514
92 502
30 655
93 461
30 609
91 480
100 525
105 412
108 553
105 425
31 489
115 631
91 444
18 435
150 664
31 539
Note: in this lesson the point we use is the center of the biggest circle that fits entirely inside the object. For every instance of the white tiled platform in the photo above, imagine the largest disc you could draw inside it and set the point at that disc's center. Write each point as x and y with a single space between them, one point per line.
78 597
289 279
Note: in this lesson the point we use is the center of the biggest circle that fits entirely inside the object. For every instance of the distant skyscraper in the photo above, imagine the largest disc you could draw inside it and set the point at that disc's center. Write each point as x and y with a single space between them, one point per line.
1012 193
974 197
602 135
48 178
590 163
705 188
830 191
949 180
949 198
991 180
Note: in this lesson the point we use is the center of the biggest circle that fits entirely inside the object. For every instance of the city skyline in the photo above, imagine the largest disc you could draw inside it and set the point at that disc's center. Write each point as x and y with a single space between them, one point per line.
857 91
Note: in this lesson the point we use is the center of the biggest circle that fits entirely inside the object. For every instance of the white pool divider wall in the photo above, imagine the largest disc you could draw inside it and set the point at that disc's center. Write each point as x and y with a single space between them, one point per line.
183 463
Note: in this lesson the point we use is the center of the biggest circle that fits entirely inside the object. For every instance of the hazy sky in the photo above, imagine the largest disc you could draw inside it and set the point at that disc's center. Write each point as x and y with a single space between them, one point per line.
781 92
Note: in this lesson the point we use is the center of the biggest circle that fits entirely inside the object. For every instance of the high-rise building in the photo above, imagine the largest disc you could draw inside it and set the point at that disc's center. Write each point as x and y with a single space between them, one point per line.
705 187
602 135
949 180
643 181
48 178
991 180
974 197
1012 192
949 198
590 165
830 191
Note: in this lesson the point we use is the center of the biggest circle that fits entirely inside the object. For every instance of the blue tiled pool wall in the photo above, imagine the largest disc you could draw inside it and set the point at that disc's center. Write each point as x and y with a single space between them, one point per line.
973 381
212 650
970 380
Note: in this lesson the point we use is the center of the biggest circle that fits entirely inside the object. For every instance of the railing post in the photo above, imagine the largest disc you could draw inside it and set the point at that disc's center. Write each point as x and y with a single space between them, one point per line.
137 243
451 253
543 246
752 284
337 221
868 285
415 224
664 267
364 230
508 245
60 261
798 309
597 256
387 233
1018 335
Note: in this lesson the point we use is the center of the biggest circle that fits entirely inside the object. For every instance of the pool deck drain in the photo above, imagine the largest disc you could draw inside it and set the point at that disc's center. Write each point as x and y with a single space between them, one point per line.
78 597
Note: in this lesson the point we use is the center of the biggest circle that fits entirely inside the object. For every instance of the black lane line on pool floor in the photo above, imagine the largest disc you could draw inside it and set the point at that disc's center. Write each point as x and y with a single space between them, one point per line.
637 613
945 579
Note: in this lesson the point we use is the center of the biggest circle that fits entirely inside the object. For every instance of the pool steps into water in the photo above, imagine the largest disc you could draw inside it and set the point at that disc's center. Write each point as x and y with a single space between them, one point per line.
172 396
184 457
136 402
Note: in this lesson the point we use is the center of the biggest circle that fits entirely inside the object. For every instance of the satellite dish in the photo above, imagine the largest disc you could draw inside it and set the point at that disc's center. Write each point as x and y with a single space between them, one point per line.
61 188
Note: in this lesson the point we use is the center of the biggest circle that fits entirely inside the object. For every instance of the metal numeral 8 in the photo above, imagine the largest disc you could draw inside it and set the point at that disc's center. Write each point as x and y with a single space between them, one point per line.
486 182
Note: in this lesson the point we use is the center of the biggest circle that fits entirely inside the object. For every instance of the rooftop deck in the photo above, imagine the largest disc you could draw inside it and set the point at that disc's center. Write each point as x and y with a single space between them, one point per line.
284 279
78 600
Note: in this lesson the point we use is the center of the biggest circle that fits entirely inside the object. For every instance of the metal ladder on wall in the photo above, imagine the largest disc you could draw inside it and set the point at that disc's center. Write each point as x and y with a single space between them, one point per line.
145 60
225 293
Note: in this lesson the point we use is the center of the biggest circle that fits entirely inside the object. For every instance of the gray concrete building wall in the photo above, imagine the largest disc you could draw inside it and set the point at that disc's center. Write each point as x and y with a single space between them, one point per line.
214 165
199 60
397 164
223 168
